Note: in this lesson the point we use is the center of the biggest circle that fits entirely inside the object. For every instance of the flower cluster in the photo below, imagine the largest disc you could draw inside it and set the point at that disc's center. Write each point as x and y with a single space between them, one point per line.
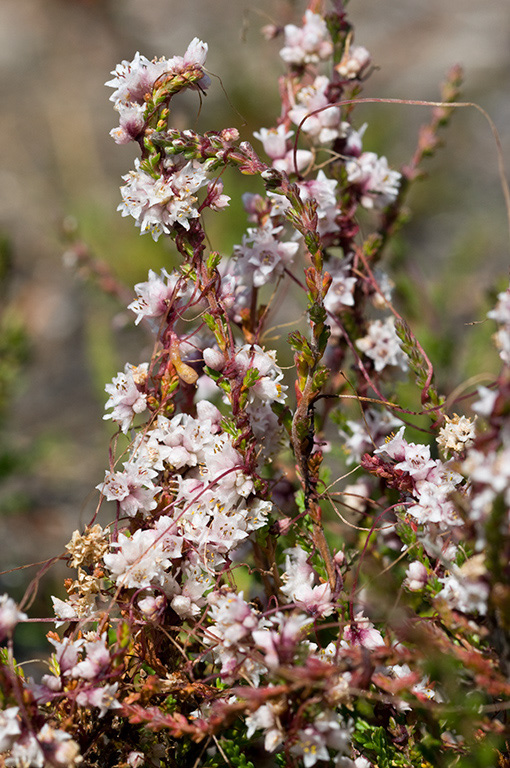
241 607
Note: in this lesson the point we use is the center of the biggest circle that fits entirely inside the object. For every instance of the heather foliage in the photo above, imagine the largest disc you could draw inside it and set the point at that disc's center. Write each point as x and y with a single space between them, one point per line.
259 599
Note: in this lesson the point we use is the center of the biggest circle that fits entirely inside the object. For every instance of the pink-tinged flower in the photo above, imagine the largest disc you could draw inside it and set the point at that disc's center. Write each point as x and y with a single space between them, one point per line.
140 560
355 60
215 198
196 53
126 398
382 345
133 489
501 314
279 640
9 616
275 142
131 122
394 447
361 436
67 654
97 660
354 141
233 624
267 387
324 125
152 607
308 44
362 632
103 698
136 759
195 583
9 727
156 296
416 461
434 505
266 719
341 290
466 591
417 576
134 79
159 204
262 256
233 619
325 731
378 184
314 600
322 190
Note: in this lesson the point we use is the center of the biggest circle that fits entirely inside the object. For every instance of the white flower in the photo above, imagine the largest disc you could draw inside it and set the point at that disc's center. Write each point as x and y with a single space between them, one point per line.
133 80
9 615
9 727
457 435
133 489
322 190
267 388
416 576
326 124
378 184
64 610
104 698
158 204
26 753
275 144
354 60
362 632
262 256
341 290
501 314
382 345
327 730
309 43
155 296
140 560
131 122
266 719
465 591
360 436
487 399
126 399
274 140
297 571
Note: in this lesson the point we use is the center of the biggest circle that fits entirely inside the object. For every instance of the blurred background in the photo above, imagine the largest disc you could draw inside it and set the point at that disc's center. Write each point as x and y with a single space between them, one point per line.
62 338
